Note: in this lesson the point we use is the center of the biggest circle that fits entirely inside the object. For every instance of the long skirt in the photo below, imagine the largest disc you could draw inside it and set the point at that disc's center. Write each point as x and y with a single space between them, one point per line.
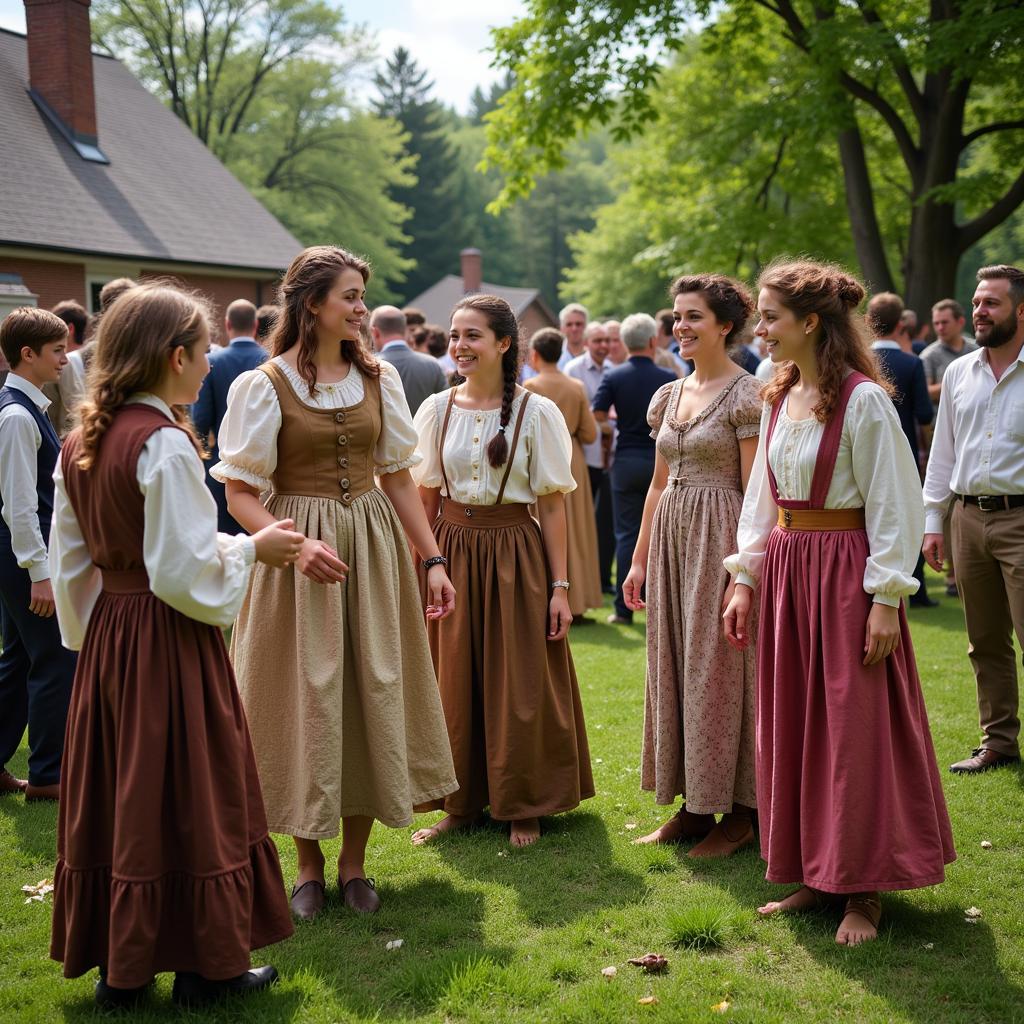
337 680
848 790
164 861
511 700
699 707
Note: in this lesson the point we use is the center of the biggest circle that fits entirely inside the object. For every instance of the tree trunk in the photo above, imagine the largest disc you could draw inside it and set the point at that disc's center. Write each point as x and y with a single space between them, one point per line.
860 204
929 270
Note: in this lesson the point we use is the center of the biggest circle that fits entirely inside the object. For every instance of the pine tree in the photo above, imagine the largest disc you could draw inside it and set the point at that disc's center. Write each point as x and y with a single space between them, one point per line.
435 228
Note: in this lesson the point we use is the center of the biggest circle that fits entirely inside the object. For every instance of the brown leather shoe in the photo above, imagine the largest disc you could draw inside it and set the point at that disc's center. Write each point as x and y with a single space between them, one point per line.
981 760
360 895
308 899
51 792
9 784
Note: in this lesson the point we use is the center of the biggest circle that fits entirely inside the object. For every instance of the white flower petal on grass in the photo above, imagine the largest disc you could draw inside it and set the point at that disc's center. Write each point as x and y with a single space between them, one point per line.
610 972
986 845
395 944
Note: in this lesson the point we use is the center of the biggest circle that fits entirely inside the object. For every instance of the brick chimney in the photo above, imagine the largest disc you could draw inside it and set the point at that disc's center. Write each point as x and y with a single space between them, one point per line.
60 64
472 270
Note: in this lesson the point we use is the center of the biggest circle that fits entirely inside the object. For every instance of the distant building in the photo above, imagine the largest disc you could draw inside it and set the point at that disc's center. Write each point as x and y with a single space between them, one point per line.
527 303
101 180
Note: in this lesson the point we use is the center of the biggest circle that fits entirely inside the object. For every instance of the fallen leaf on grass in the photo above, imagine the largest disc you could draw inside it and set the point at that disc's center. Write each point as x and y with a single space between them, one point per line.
986 845
395 944
630 825
721 1007
929 945
609 972
39 891
648 1001
972 915
650 962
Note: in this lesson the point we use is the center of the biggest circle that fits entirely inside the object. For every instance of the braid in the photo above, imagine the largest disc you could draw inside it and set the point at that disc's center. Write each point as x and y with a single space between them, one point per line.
497 449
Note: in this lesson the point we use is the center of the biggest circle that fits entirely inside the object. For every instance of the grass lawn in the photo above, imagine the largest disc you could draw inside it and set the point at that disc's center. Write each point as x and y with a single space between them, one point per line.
493 934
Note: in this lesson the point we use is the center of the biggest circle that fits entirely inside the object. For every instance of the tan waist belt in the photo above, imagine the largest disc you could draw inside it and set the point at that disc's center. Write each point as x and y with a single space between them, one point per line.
821 518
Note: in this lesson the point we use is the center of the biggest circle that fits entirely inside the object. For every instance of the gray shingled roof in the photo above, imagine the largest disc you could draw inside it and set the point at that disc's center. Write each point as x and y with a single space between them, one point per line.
163 196
437 301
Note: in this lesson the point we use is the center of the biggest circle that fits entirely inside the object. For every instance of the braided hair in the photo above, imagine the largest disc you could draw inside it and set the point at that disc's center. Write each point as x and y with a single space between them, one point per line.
502 321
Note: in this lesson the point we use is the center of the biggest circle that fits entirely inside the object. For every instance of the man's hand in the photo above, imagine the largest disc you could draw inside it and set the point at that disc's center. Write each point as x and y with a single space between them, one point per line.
41 599
934 550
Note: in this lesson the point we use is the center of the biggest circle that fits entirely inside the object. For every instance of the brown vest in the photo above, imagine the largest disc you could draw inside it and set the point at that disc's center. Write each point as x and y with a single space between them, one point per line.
325 453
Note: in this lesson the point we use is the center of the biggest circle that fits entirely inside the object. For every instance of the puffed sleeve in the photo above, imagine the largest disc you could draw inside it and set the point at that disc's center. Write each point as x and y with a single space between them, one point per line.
196 570
75 579
427 472
396 447
746 407
656 410
758 516
248 433
887 479
550 449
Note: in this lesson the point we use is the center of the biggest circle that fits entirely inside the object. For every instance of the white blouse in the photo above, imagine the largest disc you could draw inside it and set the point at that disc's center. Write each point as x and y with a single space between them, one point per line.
874 471
248 433
541 464
196 570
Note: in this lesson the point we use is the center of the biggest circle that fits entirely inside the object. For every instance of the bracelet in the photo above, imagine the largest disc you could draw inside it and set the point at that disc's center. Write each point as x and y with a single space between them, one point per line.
561 584
429 563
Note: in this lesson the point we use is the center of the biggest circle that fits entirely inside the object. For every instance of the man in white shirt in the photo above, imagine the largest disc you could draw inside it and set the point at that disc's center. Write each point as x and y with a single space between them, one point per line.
35 670
590 368
977 463
572 321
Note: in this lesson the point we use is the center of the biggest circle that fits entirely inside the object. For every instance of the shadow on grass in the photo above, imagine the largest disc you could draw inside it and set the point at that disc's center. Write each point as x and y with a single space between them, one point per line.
34 823
568 874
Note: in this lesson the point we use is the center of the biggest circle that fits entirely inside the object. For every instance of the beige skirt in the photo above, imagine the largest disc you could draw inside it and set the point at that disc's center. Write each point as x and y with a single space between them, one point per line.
337 680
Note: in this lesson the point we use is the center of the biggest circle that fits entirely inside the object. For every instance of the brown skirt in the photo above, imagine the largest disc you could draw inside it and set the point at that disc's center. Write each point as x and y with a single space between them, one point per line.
164 860
511 701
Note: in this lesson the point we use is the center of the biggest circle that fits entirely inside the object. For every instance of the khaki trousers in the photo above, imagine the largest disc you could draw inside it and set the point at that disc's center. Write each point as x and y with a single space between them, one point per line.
988 548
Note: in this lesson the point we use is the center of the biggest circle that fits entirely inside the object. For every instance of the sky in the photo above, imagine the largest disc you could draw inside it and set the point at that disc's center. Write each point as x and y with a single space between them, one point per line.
447 37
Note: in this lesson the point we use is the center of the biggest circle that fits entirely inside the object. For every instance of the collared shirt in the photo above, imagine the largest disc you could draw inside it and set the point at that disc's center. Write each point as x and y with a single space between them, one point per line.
394 343
19 442
630 388
590 373
978 445
938 357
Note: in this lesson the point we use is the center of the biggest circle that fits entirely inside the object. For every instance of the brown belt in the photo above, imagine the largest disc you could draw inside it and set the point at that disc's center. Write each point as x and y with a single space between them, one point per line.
125 581
821 518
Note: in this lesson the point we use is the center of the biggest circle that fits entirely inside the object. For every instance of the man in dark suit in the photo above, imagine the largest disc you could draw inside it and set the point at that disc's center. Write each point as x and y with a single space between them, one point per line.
421 374
241 354
912 401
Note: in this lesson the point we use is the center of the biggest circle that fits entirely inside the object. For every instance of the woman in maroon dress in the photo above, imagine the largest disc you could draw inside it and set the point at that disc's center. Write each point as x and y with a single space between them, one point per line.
164 860
848 791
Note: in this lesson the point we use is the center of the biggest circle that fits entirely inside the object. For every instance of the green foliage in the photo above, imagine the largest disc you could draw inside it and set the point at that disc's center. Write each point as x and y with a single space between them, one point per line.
700 926
266 87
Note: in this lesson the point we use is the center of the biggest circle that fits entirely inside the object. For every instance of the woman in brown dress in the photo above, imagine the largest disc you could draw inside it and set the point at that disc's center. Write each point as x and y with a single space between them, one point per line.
164 859
571 398
699 712
503 664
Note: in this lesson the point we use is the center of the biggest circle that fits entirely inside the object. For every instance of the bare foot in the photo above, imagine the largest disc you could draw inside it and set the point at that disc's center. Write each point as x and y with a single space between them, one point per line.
525 832
449 823
732 833
683 825
798 902
860 921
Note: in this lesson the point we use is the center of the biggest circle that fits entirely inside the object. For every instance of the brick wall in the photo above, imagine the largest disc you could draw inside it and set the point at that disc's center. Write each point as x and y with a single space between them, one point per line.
52 282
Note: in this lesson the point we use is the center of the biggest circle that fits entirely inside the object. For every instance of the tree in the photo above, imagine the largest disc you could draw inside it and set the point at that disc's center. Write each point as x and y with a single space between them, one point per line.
234 72
434 230
939 84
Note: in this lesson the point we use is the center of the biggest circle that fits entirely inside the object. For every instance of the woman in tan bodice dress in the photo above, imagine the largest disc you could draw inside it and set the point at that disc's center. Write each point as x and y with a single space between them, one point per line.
571 398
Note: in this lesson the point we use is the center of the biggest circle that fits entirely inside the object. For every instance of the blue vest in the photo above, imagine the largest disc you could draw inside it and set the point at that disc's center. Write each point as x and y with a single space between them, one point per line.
46 459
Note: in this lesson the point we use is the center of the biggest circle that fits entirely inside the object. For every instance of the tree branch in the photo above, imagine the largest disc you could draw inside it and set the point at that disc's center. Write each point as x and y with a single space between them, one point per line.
989 129
899 63
975 230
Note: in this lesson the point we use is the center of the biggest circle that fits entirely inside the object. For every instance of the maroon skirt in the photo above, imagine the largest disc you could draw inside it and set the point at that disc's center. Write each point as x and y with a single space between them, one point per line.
848 790
164 860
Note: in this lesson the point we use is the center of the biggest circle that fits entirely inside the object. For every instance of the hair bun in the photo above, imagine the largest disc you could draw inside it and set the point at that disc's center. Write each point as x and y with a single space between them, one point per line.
849 291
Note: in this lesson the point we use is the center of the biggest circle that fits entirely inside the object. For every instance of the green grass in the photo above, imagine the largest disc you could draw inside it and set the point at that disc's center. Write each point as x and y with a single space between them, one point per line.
493 934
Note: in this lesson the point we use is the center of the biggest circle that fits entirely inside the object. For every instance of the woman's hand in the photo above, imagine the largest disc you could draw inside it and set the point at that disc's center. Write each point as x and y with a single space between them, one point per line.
633 587
559 616
882 635
320 562
736 615
730 589
278 544
440 593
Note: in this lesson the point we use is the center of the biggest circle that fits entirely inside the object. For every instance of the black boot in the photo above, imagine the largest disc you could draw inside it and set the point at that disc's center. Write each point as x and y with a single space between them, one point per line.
110 998
195 990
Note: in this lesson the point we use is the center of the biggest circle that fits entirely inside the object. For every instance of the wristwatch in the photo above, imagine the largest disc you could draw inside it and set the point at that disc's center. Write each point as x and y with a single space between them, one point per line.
562 584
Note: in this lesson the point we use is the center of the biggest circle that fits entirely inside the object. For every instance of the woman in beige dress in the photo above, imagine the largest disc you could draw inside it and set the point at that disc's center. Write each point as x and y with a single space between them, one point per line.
332 660
571 398
699 713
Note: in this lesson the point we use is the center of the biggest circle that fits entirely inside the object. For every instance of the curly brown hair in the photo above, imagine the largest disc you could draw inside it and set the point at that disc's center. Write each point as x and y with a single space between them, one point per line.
805 287
727 299
306 283
136 334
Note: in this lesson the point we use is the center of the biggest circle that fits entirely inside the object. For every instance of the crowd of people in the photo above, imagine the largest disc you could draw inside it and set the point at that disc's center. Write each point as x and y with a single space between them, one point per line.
402 524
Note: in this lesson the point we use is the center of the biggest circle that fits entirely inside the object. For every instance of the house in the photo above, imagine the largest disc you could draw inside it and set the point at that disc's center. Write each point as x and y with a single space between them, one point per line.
101 180
527 303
